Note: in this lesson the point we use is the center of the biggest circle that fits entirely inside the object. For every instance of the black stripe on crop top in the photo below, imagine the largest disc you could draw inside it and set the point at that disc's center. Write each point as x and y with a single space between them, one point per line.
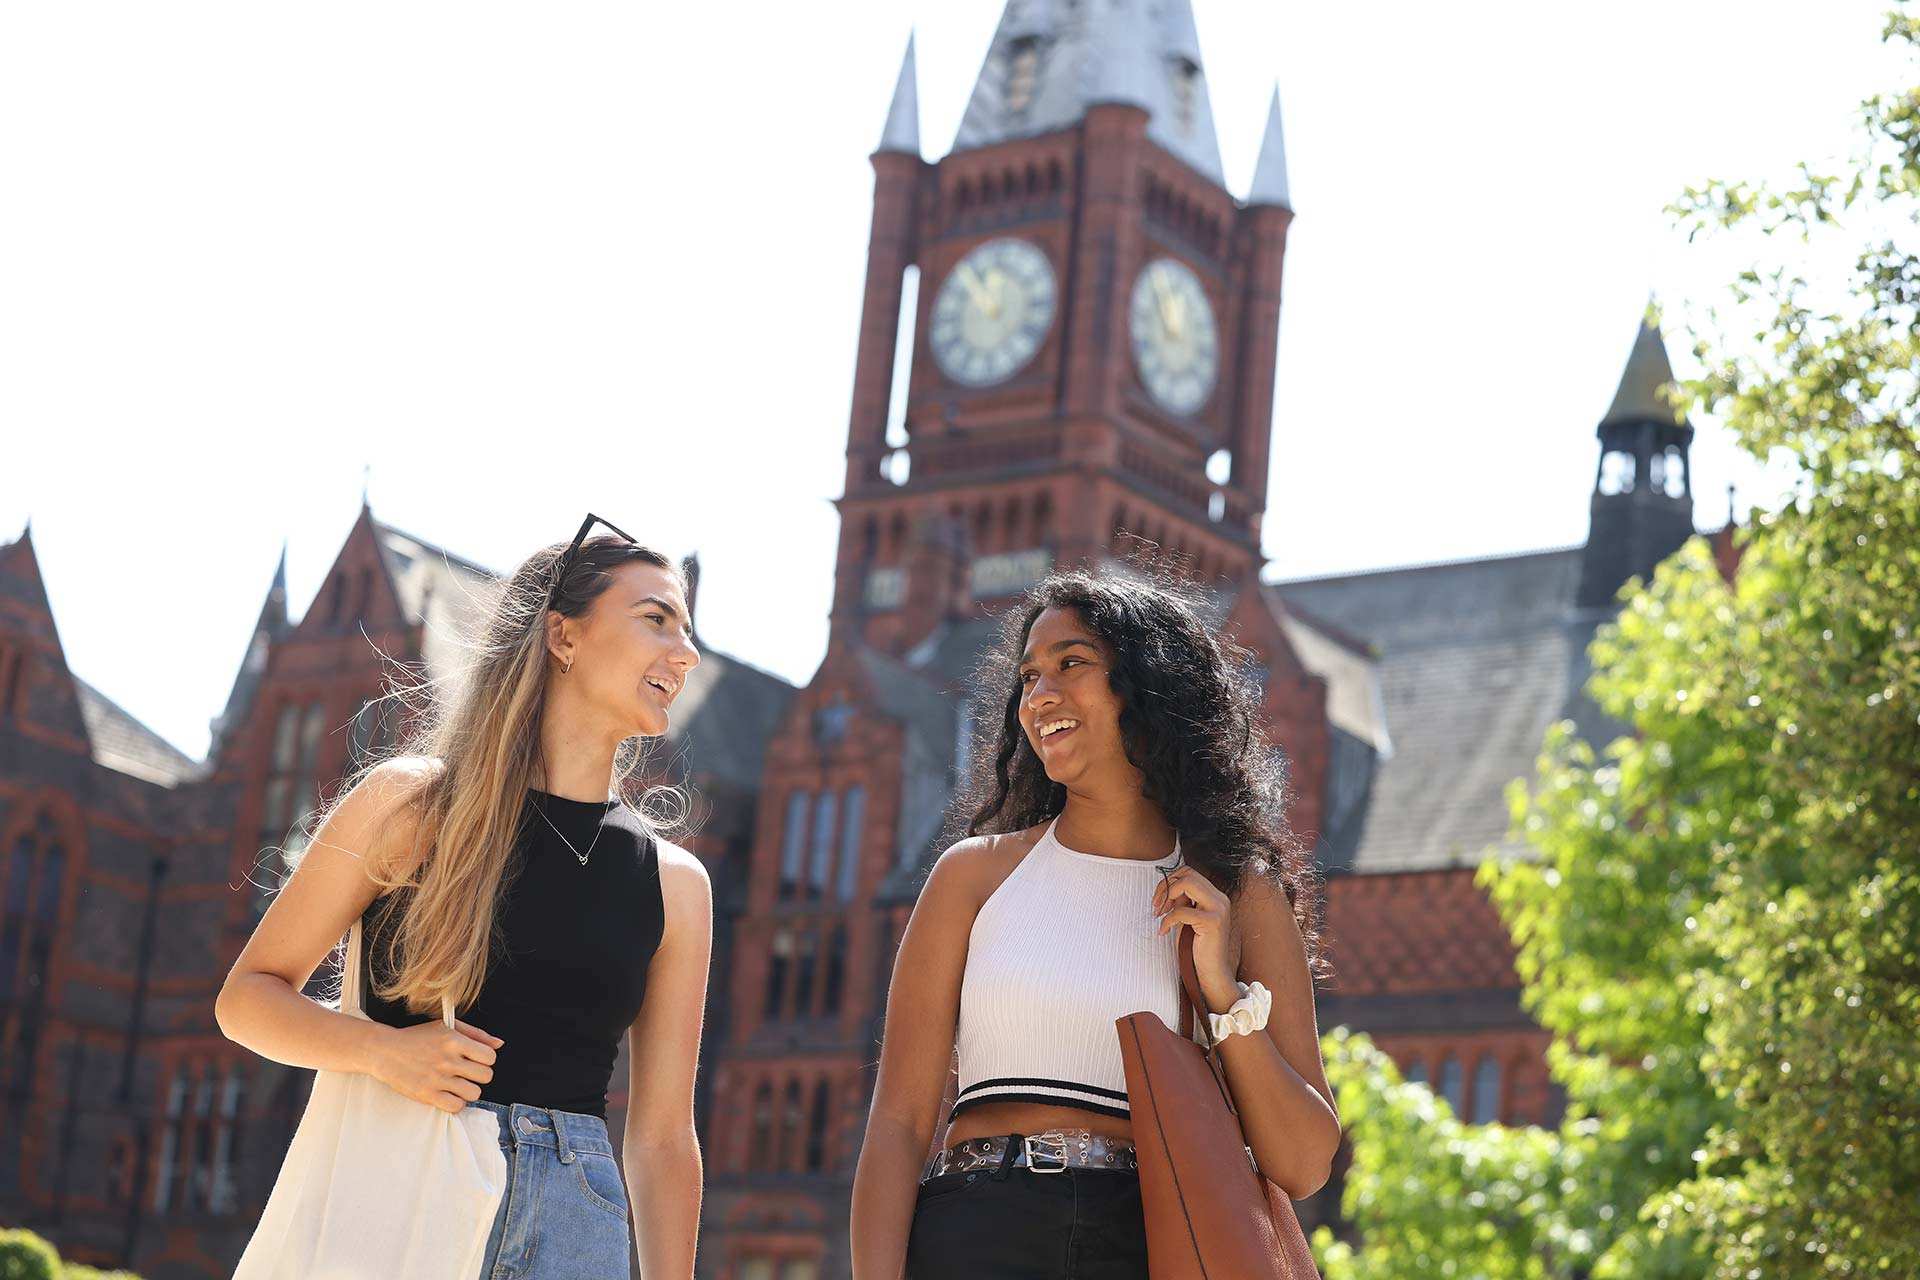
570 969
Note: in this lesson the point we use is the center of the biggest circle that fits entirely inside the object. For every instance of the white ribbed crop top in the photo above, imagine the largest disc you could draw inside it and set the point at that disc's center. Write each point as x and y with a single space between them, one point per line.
1064 948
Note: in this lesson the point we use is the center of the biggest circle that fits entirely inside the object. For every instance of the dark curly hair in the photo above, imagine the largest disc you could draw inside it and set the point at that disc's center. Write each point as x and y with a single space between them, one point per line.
1189 721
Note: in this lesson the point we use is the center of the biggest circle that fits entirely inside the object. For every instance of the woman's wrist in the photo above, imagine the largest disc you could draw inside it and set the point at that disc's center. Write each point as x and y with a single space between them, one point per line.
1219 996
370 1044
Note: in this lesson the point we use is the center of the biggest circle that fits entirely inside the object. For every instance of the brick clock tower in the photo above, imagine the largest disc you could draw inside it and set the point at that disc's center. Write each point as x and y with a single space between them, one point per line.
1092 357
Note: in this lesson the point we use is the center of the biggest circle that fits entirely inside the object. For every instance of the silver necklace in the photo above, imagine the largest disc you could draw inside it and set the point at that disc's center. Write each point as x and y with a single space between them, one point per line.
541 809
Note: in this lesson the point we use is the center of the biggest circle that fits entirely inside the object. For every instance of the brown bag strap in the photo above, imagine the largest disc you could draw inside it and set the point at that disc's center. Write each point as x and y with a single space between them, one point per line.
1195 1006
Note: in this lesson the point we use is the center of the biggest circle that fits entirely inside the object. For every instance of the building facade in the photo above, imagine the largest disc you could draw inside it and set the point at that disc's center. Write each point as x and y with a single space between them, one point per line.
1091 374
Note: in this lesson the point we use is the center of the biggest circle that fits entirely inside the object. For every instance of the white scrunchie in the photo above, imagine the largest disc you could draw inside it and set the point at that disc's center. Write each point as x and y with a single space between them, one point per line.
1248 1014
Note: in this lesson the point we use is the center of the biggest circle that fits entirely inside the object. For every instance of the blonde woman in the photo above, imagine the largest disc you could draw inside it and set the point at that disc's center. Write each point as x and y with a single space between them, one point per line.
492 865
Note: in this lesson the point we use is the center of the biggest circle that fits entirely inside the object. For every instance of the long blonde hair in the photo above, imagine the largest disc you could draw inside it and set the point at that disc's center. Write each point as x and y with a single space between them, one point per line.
479 734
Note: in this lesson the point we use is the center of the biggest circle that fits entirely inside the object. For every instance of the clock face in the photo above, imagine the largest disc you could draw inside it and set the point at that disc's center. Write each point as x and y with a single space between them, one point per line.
1176 343
992 312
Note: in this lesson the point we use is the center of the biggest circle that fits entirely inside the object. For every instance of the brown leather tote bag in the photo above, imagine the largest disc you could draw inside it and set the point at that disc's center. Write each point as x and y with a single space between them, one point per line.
1211 1215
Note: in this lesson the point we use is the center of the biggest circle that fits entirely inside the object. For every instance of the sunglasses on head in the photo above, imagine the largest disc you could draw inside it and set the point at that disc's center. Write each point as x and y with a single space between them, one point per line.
565 561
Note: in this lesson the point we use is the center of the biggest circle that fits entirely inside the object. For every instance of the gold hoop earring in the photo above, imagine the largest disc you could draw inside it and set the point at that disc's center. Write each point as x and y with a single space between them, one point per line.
568 668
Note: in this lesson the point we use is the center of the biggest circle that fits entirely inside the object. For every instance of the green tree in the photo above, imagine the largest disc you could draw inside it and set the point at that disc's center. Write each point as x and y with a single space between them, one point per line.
26 1256
1721 924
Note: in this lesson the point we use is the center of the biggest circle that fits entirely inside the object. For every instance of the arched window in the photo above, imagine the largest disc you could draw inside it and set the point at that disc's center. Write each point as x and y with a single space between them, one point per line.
291 792
1486 1090
760 1139
35 879
1417 1071
817 1129
336 597
793 844
1616 472
282 766
1452 1083
793 1115
825 815
850 842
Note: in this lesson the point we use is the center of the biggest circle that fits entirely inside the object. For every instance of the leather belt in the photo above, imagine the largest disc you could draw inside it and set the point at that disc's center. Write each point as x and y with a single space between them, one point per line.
1055 1151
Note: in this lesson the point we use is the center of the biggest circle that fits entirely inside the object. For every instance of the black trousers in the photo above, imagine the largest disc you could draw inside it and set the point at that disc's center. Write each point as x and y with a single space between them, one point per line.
1014 1224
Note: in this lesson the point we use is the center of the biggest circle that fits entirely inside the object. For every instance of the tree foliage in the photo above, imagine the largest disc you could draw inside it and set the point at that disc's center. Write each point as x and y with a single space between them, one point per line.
1721 920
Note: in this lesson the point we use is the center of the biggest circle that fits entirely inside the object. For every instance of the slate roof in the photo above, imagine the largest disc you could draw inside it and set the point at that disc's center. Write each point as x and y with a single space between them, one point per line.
443 594
123 744
1476 659
1142 52
724 718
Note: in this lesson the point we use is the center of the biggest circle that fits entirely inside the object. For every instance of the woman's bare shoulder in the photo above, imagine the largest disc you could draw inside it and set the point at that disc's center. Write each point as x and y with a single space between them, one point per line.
380 816
967 874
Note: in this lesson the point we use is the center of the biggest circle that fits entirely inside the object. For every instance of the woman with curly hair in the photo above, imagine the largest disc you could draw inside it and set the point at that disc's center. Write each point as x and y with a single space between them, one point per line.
1130 794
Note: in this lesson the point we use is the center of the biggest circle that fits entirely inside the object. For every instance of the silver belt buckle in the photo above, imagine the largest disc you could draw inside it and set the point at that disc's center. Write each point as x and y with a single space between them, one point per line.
1059 1153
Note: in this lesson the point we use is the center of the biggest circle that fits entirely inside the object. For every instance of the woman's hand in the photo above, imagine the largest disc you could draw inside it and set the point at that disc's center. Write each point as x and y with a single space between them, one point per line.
1189 898
436 1064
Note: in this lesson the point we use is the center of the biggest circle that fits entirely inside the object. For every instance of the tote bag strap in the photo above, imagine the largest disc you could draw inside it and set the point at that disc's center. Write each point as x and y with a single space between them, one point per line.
353 979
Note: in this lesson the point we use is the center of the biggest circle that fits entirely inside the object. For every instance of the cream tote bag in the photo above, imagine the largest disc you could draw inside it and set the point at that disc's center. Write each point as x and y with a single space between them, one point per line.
378 1186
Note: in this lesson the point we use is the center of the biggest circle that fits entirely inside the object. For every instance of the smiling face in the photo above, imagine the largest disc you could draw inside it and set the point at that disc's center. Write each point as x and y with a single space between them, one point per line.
630 651
1068 708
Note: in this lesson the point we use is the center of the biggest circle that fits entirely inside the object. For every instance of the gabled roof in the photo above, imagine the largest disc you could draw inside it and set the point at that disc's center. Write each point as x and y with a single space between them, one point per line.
1142 52
444 595
1354 700
1476 659
123 744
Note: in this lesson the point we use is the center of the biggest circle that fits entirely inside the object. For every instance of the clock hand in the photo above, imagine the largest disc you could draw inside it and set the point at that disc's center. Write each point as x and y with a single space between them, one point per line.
973 287
998 280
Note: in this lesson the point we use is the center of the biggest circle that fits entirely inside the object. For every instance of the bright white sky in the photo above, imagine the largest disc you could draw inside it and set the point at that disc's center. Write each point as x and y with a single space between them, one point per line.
526 261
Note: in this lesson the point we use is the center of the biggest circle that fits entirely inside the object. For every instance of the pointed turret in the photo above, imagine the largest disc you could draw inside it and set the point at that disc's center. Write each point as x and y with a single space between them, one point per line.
273 613
1270 172
1049 62
1642 506
268 630
1639 397
902 132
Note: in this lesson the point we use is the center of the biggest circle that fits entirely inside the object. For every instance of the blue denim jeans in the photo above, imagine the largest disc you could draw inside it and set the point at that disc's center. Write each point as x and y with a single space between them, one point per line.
564 1215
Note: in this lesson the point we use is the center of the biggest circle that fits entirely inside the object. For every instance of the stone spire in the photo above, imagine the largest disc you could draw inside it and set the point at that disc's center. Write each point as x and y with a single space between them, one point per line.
1270 173
902 132
1050 61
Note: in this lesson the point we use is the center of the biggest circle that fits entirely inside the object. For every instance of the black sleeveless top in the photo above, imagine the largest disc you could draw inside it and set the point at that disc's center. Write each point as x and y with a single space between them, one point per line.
570 970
